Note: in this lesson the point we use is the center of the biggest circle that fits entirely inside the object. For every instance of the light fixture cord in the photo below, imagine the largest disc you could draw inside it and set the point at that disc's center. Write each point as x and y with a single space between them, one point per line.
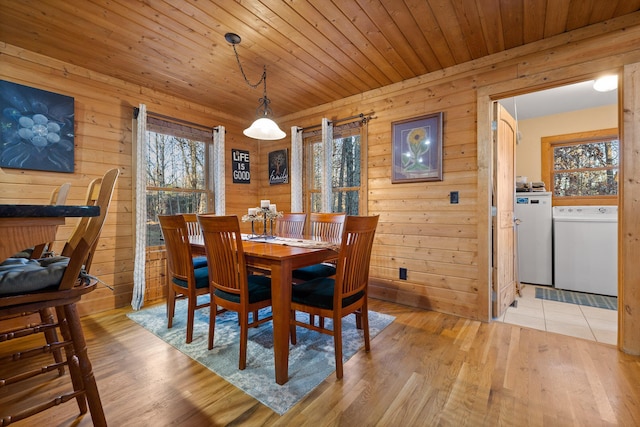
262 78
264 101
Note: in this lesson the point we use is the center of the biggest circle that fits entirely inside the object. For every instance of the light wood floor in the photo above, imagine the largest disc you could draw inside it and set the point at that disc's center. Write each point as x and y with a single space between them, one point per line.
426 368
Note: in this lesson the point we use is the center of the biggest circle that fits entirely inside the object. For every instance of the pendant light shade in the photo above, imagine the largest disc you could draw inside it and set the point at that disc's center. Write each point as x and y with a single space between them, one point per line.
263 128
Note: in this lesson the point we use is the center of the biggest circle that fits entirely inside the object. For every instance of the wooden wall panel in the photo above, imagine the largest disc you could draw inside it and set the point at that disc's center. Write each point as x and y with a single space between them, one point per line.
103 123
443 246
629 228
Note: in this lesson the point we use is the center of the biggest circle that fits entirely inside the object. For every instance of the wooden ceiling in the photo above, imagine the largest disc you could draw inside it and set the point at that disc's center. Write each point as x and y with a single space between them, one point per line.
315 51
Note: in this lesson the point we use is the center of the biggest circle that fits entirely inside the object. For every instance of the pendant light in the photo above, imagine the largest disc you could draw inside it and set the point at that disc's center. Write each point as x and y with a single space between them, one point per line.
263 128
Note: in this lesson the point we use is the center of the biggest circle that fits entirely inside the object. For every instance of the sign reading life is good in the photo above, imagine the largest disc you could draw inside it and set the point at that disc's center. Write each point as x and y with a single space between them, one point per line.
240 165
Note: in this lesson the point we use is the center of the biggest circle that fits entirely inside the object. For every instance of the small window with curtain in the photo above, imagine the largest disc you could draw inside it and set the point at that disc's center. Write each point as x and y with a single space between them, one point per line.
346 168
582 168
346 165
177 173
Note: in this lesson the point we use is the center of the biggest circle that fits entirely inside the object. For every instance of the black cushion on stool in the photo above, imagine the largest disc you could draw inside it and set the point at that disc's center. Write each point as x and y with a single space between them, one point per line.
19 277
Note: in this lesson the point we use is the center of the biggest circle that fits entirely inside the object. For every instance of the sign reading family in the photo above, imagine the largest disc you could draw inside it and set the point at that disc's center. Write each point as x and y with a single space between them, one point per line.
240 162
278 167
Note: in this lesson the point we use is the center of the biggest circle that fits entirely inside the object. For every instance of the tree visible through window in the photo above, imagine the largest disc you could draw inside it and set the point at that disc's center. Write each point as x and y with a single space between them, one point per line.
345 176
177 175
347 191
582 166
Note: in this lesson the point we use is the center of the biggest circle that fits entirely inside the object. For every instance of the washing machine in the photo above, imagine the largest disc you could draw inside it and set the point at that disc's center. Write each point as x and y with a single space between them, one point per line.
585 241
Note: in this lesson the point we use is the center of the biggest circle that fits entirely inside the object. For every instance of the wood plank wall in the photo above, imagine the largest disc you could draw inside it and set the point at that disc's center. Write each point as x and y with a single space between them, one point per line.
443 246
103 123
440 244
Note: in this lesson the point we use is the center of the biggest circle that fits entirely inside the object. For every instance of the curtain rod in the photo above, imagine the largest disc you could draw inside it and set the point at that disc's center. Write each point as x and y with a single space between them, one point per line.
362 116
136 111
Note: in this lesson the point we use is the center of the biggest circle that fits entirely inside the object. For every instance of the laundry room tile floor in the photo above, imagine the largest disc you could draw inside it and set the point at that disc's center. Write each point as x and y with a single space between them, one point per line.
595 324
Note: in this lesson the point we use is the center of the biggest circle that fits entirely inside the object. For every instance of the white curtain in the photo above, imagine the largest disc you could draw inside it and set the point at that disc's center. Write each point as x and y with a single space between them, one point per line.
140 203
296 169
218 170
327 147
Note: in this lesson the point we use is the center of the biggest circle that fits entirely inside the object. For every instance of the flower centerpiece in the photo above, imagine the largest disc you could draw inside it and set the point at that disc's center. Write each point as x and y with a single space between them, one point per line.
267 212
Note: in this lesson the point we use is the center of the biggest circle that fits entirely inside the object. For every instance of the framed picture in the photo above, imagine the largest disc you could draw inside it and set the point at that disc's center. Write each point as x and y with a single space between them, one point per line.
37 129
278 167
417 149
241 166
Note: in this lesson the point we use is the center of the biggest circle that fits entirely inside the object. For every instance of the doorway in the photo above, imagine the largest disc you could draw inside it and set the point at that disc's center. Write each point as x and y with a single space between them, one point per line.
562 110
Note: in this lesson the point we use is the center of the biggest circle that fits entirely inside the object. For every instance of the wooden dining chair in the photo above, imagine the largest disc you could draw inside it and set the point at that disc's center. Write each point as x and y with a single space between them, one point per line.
56 283
325 226
185 279
193 227
347 293
231 285
291 225
193 230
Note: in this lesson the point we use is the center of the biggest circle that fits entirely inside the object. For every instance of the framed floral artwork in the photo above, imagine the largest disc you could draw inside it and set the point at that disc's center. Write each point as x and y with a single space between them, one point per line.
37 129
417 149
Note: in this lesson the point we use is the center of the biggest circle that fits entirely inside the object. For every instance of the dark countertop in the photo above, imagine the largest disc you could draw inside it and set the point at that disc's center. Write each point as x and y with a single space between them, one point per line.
33 211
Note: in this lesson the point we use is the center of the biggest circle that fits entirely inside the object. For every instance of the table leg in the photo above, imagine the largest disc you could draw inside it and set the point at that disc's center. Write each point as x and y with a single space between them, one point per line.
281 308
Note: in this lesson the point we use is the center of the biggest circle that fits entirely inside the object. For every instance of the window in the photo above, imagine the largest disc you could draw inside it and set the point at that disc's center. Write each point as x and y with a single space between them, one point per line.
582 168
346 166
177 175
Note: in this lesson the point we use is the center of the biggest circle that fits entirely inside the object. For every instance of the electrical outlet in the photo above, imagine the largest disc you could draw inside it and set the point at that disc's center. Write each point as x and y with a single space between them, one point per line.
403 273
453 197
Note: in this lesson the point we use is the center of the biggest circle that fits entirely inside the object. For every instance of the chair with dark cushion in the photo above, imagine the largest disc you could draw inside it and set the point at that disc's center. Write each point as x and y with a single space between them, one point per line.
55 283
231 285
291 225
325 226
347 293
186 280
193 228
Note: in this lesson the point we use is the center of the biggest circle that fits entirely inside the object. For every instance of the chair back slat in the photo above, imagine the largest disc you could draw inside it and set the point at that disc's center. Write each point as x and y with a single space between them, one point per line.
59 194
225 253
193 228
84 240
327 226
291 225
176 239
352 274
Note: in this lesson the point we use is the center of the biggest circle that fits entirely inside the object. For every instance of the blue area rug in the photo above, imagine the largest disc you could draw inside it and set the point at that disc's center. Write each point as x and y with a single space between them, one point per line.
310 361
591 300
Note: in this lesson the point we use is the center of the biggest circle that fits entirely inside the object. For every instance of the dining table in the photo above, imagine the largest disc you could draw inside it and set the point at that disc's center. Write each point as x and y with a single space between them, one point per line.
24 226
280 256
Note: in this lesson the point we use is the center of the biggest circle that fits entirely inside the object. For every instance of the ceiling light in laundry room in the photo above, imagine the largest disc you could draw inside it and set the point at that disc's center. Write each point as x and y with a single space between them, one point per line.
606 83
